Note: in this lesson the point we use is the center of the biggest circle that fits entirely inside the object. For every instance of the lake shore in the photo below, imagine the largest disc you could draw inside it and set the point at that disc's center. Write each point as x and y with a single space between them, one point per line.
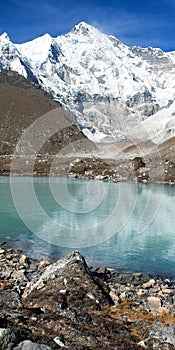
67 304
145 170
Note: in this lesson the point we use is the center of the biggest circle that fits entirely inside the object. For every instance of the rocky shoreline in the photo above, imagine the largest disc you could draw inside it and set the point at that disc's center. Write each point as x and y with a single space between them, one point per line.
67 304
144 170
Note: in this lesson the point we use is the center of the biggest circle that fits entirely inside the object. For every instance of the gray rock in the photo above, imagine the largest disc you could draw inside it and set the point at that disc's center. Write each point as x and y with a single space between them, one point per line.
161 337
163 332
29 345
156 344
141 292
19 275
10 300
23 260
52 271
168 291
7 273
149 284
65 283
7 339
154 304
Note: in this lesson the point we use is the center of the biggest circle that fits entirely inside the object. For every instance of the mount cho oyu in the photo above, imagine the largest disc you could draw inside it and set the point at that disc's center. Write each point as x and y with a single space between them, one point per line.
114 92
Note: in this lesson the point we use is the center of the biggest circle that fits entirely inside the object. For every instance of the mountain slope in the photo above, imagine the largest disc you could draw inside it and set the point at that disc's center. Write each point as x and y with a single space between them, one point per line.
113 92
23 103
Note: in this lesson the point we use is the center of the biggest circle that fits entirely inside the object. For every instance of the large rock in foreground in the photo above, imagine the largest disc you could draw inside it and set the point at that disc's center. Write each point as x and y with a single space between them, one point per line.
66 283
67 305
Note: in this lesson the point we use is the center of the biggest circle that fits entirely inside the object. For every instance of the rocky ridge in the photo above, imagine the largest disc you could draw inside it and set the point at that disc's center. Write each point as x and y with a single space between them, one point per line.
67 304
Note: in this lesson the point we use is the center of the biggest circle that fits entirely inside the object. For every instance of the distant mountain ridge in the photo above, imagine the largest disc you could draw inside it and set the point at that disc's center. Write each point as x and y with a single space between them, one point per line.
113 92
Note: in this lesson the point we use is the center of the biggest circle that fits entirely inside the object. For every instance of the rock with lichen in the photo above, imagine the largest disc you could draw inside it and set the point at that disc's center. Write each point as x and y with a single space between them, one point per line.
67 283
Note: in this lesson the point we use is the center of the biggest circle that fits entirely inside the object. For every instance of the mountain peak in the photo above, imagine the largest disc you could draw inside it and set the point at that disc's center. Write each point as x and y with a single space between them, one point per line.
47 36
83 24
4 36
83 27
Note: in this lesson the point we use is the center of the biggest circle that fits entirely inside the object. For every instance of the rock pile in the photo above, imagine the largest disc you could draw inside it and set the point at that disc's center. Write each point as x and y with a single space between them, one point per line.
156 295
66 304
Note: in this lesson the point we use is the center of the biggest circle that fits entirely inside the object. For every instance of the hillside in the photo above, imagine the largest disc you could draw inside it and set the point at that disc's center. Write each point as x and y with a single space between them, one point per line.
23 103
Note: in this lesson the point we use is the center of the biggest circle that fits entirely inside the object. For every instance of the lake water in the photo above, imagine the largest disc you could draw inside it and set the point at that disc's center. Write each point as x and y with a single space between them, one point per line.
129 226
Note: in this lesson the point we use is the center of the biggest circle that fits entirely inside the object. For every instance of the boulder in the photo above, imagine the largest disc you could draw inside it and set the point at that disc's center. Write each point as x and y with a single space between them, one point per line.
154 304
161 337
29 345
149 284
10 300
7 339
138 163
67 283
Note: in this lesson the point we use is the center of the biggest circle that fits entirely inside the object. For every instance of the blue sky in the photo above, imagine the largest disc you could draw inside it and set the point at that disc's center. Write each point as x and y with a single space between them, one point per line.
144 23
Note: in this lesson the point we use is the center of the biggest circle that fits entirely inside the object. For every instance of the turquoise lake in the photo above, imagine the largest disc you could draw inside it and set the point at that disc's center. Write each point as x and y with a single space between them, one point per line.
128 226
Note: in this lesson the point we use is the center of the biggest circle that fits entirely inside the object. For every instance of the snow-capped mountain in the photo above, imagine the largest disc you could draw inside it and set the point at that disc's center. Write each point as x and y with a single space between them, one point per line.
113 91
11 58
